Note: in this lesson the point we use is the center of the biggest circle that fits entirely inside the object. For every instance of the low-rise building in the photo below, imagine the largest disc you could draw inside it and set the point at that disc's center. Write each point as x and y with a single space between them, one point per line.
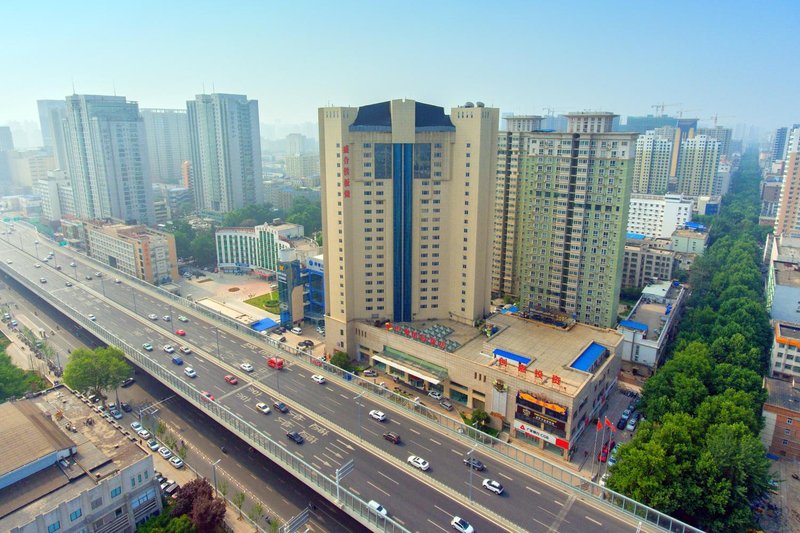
139 251
781 412
785 353
651 325
646 261
55 190
542 382
66 468
657 216
693 239
258 249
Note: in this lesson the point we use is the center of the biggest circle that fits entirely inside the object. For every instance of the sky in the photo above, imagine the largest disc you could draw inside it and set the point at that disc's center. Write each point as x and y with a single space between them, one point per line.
728 58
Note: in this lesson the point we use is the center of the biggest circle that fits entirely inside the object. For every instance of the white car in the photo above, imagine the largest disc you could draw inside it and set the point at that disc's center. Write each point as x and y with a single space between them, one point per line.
165 452
152 316
168 348
176 461
37 265
319 379
264 408
418 462
144 434
136 426
461 525
183 318
186 350
153 445
91 317
189 371
166 318
378 508
247 367
9 261
604 480
72 264
377 415
435 394
493 486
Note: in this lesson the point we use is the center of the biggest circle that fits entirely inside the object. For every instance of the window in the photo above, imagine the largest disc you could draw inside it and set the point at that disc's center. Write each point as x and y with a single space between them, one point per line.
97 503
55 526
74 515
116 492
383 161
789 420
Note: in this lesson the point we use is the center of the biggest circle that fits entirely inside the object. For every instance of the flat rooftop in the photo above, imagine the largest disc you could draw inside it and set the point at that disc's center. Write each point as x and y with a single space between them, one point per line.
789 331
690 233
786 303
784 394
787 273
566 352
37 428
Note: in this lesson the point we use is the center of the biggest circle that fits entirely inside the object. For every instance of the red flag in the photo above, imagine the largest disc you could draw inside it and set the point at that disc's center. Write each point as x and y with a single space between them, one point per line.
611 425
599 425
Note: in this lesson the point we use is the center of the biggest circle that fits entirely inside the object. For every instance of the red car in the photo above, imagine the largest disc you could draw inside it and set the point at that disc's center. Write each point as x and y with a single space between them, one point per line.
231 379
207 396
607 447
180 333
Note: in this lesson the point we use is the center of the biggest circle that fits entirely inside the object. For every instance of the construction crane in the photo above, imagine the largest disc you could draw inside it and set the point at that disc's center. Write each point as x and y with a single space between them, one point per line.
715 116
682 111
660 107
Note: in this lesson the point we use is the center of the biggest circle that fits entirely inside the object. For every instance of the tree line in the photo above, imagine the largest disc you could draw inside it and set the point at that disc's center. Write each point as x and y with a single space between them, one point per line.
698 456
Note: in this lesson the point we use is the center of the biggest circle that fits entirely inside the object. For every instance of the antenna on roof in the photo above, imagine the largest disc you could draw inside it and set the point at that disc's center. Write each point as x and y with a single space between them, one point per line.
73 85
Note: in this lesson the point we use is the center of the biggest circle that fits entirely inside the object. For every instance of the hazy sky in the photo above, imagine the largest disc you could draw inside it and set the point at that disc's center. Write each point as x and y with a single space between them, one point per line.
732 58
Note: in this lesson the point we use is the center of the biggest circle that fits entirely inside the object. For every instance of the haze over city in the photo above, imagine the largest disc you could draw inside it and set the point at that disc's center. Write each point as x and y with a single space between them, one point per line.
705 58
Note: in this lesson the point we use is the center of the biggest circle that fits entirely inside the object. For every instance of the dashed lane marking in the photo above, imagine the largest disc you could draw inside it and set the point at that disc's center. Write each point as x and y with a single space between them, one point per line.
371 484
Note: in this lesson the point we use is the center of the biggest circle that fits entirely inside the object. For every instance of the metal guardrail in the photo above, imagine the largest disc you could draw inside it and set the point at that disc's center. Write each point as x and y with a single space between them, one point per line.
323 484
538 466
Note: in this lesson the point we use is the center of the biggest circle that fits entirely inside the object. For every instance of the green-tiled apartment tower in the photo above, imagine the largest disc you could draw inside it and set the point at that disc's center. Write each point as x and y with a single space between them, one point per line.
572 215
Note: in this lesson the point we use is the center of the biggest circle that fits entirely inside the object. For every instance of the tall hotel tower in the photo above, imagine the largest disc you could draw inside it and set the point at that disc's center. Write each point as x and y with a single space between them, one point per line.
407 214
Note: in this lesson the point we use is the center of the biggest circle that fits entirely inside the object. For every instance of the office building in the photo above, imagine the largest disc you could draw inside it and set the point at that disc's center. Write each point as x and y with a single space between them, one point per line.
770 198
643 124
657 216
572 213
646 261
723 135
301 289
55 190
302 165
258 249
788 216
651 325
225 146
407 207
107 157
136 250
167 135
64 468
510 145
698 164
781 411
52 114
652 164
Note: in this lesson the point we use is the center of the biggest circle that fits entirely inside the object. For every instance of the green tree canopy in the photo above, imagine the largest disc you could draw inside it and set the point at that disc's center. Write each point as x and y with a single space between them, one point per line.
96 371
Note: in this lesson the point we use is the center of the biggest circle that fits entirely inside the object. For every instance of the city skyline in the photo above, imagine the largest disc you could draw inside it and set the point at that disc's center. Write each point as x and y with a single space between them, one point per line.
254 49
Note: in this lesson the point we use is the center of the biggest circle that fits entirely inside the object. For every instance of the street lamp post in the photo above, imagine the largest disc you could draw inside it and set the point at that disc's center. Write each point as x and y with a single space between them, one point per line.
36 246
469 467
216 330
103 286
214 471
358 409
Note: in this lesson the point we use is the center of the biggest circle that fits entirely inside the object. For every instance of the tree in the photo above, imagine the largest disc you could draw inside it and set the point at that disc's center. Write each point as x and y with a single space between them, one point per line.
223 487
208 514
731 407
15 382
196 490
238 501
166 523
161 428
182 452
204 248
342 360
479 417
96 371
256 512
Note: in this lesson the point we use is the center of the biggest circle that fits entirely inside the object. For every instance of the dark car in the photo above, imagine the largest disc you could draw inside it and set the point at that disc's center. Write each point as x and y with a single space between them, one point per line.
392 437
621 423
280 406
295 436
125 407
128 382
474 463
308 343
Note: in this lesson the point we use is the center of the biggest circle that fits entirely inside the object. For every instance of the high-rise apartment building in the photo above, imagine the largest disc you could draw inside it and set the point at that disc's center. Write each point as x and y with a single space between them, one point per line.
510 145
779 141
698 164
295 144
788 217
107 156
723 135
573 201
167 135
407 208
225 146
51 121
6 139
651 168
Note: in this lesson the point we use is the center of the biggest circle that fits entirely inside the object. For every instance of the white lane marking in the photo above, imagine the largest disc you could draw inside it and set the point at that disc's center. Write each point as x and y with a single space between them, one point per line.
456 452
532 490
436 442
442 510
436 525
412 430
370 431
590 519
378 488
355 491
387 477
343 396
558 503
326 407
505 476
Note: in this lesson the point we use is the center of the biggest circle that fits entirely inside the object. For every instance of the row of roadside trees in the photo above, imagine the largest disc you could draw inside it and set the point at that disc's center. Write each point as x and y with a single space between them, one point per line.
698 456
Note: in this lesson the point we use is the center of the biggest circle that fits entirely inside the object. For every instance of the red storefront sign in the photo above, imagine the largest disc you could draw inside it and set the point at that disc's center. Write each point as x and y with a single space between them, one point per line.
537 433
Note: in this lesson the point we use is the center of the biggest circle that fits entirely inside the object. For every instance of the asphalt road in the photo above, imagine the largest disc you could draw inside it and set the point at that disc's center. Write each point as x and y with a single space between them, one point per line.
528 502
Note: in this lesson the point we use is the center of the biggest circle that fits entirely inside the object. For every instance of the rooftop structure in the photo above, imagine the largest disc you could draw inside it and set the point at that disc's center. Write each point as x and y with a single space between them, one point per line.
781 412
64 466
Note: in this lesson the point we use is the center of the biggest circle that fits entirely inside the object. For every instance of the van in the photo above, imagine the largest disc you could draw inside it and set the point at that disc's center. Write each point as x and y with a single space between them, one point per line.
275 362
296 330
